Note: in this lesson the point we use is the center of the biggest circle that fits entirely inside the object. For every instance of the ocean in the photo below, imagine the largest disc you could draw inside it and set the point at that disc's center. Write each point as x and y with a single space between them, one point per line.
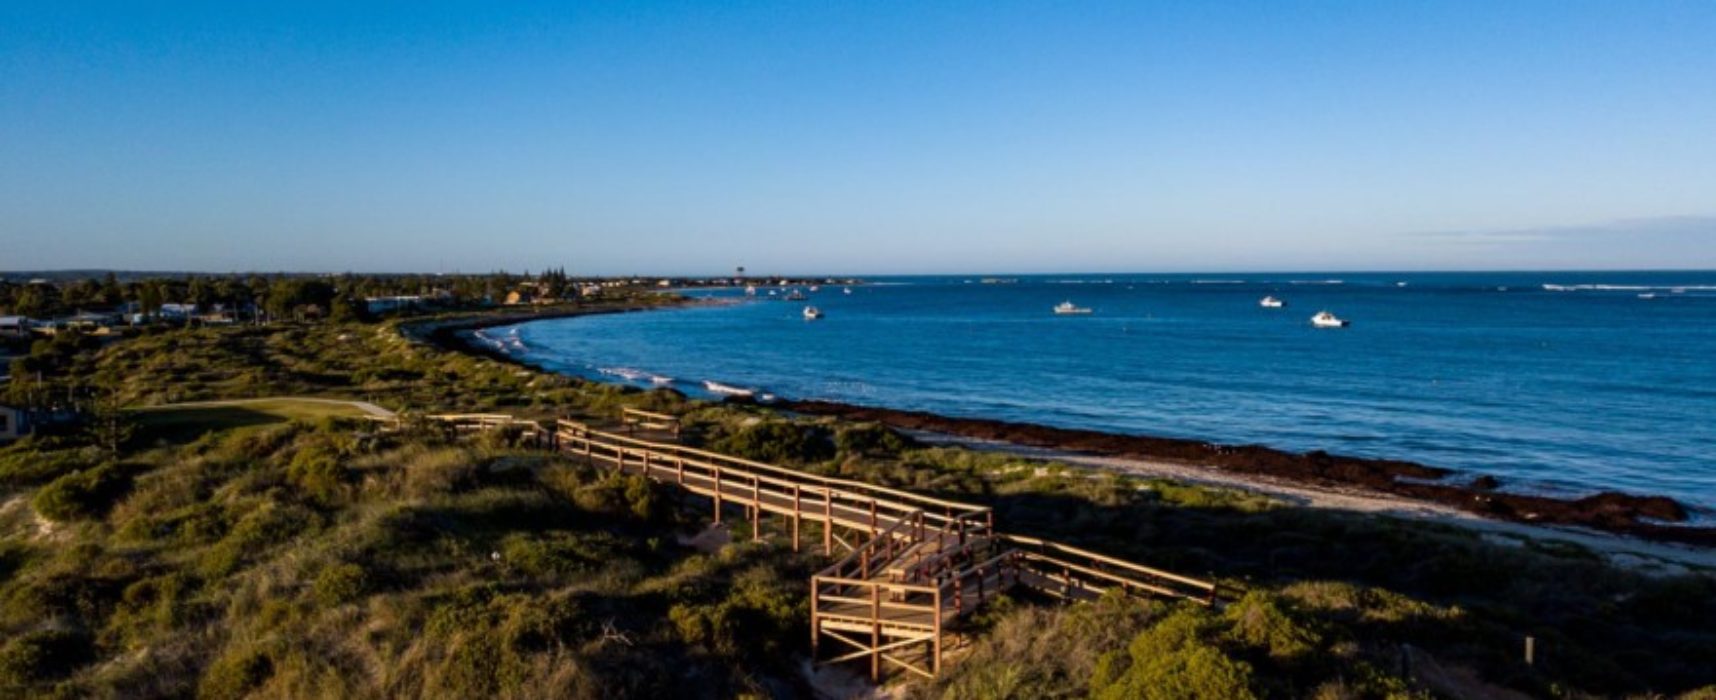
1563 383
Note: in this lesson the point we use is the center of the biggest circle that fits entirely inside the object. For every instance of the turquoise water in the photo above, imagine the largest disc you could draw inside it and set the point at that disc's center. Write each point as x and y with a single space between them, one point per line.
1566 383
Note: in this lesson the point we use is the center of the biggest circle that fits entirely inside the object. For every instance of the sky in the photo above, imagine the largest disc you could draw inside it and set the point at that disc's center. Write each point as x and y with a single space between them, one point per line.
862 138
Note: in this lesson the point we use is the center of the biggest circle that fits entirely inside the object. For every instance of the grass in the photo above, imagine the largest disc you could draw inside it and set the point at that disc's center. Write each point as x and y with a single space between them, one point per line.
181 424
282 549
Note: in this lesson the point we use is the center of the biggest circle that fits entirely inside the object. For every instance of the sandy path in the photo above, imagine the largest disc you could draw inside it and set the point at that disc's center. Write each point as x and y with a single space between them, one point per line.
1639 555
364 406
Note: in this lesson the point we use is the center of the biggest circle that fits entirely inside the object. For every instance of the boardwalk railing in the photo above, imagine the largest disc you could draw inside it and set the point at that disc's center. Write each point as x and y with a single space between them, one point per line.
1071 572
842 503
635 418
911 564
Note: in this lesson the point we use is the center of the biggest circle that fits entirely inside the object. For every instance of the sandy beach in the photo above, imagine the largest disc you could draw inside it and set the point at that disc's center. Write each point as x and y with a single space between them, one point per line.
1659 558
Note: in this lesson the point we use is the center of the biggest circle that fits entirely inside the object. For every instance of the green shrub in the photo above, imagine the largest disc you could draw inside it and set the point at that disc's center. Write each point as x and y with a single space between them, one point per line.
83 494
870 440
340 583
35 461
1258 620
236 673
779 442
42 655
12 558
316 469
149 607
268 525
611 494
1173 660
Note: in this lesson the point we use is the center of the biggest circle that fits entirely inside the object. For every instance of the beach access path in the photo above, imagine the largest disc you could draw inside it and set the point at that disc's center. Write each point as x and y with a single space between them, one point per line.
1627 552
361 406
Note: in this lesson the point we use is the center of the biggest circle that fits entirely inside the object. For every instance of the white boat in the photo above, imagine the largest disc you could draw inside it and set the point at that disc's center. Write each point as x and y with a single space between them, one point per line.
847 290
796 295
1324 319
1271 303
812 313
815 288
1067 308
750 290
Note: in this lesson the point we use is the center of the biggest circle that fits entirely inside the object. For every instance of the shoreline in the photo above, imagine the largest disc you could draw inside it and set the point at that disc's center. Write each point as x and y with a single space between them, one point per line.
1607 513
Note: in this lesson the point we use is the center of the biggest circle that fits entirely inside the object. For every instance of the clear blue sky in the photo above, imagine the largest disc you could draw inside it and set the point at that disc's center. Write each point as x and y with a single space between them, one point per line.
867 137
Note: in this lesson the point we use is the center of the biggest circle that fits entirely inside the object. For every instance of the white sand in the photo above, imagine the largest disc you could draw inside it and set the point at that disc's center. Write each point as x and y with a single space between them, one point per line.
1627 552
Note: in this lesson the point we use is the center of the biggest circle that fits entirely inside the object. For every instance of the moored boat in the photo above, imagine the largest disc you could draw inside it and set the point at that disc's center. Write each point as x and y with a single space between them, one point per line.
1271 303
812 313
1068 308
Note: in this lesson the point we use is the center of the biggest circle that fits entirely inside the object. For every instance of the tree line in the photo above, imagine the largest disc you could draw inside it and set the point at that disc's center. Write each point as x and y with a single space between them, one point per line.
279 296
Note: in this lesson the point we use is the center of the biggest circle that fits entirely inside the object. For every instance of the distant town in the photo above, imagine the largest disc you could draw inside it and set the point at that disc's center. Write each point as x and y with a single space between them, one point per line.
47 318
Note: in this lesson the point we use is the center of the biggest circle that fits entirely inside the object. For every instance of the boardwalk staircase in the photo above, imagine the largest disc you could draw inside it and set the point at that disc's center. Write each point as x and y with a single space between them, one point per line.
909 567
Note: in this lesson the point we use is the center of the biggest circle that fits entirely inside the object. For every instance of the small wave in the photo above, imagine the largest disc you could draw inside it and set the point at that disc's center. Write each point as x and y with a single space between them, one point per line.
727 389
625 373
660 380
1218 281
1677 289
505 345
1316 281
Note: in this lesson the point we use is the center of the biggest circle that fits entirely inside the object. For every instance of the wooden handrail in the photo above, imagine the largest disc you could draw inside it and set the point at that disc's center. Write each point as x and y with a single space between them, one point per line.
796 474
651 415
1104 559
845 490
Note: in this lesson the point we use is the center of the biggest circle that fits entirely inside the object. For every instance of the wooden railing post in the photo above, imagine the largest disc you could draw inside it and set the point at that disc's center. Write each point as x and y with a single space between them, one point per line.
828 522
935 642
795 516
815 617
875 633
717 495
756 509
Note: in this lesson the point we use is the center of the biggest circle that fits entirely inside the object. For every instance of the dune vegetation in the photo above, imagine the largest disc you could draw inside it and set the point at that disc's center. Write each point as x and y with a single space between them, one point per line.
271 553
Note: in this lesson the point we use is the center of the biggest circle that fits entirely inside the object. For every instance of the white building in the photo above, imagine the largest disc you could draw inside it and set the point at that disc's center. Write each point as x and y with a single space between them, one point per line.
381 305
14 326
14 423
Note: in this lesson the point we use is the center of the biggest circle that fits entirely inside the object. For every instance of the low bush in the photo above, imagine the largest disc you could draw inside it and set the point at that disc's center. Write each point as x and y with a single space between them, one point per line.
236 673
340 583
1173 660
779 441
83 494
32 658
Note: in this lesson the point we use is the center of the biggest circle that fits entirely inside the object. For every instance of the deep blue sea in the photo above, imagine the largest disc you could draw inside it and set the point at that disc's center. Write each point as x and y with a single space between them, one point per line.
1565 382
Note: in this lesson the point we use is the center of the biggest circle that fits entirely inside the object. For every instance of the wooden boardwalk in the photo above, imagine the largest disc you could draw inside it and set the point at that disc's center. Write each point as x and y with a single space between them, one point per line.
909 565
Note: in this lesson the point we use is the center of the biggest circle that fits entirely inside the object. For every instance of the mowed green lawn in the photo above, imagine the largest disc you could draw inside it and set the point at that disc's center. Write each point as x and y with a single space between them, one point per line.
177 424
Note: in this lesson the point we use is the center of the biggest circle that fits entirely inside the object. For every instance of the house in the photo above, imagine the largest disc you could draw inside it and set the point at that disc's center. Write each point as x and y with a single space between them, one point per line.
382 305
219 316
176 312
14 423
92 321
14 327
